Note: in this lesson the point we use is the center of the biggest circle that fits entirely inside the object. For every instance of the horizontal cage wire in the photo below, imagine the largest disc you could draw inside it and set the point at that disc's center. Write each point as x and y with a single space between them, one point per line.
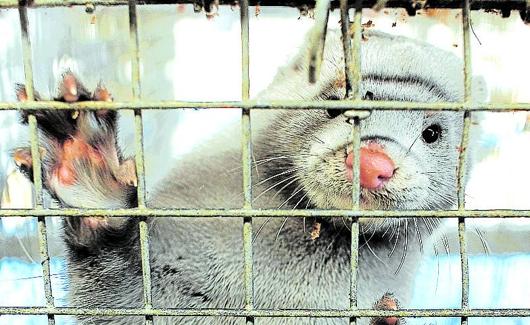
273 104
316 313
505 6
359 107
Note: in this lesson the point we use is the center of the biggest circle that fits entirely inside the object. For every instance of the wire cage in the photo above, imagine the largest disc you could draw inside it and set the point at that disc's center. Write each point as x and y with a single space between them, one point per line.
357 110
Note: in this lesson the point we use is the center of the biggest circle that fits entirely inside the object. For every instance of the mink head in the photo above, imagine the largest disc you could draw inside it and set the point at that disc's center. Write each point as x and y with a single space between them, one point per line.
408 159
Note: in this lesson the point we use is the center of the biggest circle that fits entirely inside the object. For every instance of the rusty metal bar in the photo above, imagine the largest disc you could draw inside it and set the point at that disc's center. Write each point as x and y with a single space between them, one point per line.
246 151
272 104
505 5
355 65
36 160
134 43
317 313
354 225
346 44
139 158
317 39
352 74
260 213
463 158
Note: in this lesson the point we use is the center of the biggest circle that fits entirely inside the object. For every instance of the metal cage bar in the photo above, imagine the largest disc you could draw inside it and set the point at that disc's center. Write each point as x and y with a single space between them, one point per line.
273 104
464 262
316 313
353 102
246 151
504 5
139 159
317 38
35 153
260 213
352 75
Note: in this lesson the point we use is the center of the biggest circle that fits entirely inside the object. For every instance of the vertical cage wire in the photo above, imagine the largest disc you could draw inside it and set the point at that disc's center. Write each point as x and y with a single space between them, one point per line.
466 22
352 75
354 246
317 38
139 158
36 161
346 44
246 151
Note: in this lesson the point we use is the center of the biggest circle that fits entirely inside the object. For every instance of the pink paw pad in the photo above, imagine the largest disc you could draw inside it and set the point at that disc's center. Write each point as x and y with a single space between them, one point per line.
73 149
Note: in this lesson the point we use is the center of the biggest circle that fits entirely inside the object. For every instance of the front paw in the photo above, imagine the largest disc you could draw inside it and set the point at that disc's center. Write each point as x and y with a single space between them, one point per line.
82 166
78 147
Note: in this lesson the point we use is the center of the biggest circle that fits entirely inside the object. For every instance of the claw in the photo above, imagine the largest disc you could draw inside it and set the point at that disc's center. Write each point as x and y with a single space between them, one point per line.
69 87
22 96
22 157
71 90
102 94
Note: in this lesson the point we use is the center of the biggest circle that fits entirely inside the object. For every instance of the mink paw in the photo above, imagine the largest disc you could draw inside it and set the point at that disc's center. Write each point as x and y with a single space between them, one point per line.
82 165
74 139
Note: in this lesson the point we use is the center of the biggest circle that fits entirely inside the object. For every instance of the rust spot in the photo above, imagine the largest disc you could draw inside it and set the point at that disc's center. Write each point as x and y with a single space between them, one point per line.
442 15
368 24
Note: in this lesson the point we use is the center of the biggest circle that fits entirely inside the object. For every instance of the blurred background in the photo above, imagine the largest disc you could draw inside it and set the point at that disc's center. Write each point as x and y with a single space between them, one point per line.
186 56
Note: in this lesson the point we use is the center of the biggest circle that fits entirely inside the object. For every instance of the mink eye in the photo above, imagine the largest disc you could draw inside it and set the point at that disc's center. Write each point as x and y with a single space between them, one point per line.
432 133
332 113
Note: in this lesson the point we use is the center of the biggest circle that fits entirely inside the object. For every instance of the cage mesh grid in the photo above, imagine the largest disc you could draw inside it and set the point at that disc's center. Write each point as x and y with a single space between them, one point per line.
354 102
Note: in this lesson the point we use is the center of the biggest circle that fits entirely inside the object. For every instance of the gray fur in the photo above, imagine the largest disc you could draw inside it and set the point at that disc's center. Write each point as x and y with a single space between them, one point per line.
198 262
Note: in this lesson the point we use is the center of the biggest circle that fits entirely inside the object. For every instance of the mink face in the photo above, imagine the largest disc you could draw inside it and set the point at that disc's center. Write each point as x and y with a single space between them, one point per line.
408 159
416 146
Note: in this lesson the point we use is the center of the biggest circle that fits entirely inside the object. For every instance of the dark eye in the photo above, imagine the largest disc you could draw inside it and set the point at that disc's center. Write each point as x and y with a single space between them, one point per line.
432 133
332 113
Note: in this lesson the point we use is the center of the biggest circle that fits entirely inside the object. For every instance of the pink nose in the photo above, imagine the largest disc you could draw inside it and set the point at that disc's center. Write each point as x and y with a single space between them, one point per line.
375 166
